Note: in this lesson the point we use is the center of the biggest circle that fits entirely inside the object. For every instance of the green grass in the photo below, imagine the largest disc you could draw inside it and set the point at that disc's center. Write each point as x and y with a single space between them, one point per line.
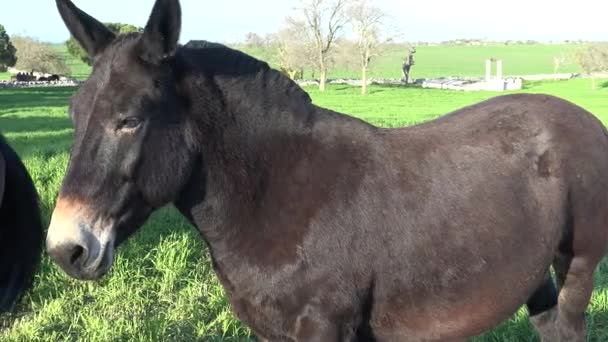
78 68
431 61
440 61
162 287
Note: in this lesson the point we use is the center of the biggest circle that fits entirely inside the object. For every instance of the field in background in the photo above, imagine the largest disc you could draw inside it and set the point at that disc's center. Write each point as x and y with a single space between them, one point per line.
80 70
162 287
431 61
443 61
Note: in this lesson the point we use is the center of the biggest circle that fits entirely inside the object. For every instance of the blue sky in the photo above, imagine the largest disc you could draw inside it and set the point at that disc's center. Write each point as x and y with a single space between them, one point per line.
428 20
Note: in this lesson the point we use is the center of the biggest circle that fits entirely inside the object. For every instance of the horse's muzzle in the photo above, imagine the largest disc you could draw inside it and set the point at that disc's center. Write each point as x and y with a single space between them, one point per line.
81 244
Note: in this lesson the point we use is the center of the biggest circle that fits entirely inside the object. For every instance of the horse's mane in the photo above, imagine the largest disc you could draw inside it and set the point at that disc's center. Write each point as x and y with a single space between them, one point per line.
219 60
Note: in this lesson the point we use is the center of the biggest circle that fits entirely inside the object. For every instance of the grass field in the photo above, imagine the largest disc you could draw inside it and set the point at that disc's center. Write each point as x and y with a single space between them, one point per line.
162 287
80 70
440 61
431 61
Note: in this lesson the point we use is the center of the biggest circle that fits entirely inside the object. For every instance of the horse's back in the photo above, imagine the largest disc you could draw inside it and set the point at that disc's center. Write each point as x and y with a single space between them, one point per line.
485 201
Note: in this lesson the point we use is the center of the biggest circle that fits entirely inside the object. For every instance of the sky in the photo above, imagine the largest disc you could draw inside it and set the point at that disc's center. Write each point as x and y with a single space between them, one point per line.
428 20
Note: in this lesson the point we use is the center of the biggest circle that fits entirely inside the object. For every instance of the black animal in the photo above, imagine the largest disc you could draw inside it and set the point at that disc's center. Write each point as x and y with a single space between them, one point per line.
25 77
322 227
20 228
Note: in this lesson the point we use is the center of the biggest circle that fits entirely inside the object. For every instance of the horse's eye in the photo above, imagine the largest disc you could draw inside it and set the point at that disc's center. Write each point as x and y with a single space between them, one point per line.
129 124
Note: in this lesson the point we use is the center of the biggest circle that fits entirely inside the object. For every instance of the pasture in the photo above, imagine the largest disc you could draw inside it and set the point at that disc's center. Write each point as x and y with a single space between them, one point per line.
431 61
442 61
162 287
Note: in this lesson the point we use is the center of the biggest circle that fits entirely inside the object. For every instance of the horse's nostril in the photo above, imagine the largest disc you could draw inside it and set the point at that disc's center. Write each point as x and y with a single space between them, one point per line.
77 254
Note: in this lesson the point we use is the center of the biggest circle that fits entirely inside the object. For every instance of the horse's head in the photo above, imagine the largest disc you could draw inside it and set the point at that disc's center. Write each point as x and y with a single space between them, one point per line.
132 149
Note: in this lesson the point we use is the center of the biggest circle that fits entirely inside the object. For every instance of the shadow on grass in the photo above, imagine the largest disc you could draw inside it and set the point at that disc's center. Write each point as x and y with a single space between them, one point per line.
604 85
45 146
379 88
33 124
35 97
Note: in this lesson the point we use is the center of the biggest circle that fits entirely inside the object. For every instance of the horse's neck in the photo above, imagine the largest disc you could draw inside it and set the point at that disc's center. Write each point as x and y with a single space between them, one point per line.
257 123
267 144
225 198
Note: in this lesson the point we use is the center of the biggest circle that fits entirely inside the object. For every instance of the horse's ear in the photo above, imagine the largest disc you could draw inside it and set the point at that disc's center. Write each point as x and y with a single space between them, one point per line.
161 34
92 35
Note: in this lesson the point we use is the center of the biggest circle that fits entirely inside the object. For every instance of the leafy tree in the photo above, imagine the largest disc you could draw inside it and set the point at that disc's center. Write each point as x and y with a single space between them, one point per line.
295 49
593 59
33 54
119 28
8 55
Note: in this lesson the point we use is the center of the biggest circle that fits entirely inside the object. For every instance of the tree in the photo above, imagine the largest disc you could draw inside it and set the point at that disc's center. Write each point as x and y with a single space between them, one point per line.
8 55
558 61
33 54
295 48
254 40
593 59
76 50
367 22
324 20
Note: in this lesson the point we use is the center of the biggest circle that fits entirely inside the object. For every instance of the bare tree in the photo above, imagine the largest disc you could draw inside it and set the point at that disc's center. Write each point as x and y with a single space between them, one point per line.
558 61
324 21
367 22
592 60
295 48
33 54
254 40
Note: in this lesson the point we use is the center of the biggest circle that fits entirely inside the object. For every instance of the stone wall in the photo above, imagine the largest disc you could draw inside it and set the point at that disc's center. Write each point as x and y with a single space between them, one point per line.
17 84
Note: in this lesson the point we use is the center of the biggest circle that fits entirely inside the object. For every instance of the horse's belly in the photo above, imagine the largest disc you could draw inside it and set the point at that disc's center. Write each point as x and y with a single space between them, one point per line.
444 320
452 313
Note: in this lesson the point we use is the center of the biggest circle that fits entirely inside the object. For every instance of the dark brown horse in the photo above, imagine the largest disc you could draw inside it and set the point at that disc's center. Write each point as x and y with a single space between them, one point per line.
322 227
20 228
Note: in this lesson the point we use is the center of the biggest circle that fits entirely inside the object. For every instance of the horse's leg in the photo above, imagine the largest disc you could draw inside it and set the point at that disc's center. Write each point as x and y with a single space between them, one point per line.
579 254
576 279
542 307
